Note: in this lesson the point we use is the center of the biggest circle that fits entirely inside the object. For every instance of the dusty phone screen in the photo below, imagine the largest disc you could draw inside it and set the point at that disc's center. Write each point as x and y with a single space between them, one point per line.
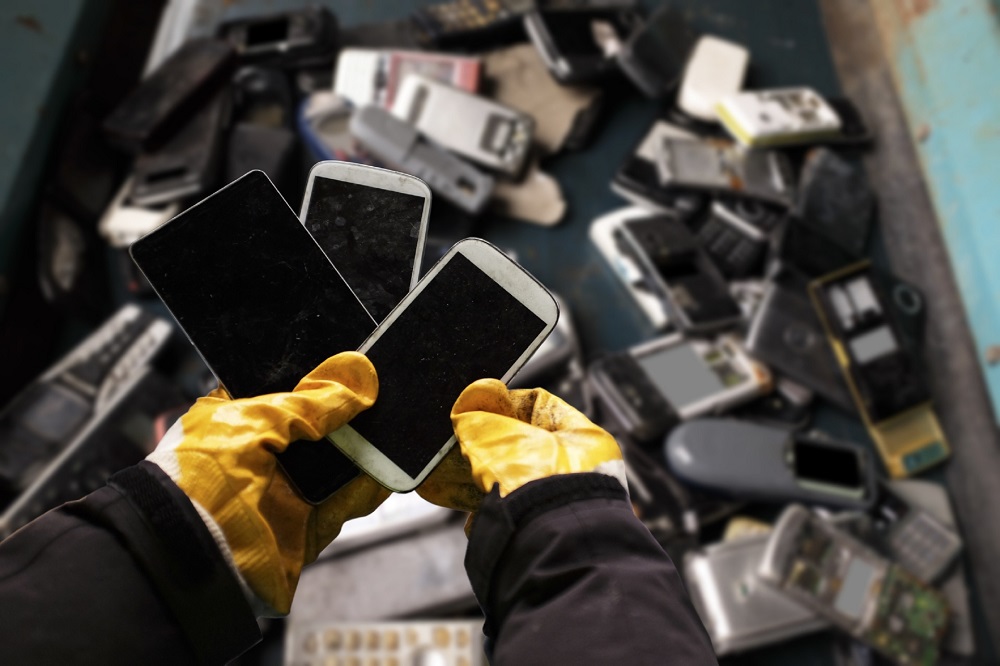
462 327
371 236
251 289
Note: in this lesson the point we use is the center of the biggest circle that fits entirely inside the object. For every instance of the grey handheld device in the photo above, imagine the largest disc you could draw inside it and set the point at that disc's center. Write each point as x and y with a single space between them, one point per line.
757 462
392 140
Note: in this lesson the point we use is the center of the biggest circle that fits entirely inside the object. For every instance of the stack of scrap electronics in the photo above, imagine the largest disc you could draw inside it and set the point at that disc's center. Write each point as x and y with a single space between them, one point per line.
745 243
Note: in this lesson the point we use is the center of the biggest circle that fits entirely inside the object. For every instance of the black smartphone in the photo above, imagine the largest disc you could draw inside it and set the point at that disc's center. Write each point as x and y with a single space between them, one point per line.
260 302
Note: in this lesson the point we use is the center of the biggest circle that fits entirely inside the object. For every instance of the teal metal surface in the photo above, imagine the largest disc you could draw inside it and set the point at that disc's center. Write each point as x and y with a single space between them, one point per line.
944 56
44 46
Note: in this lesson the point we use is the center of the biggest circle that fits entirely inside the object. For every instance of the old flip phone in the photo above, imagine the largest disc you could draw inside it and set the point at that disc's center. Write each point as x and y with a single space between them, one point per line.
749 461
260 302
165 100
696 293
853 587
286 38
882 373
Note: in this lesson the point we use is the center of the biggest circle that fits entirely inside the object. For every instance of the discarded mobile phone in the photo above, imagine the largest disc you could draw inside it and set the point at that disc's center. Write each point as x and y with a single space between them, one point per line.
810 249
605 234
835 197
652 386
739 610
372 224
717 166
76 393
736 235
289 37
578 45
638 181
470 22
400 145
715 70
189 163
491 134
681 273
654 55
123 223
754 462
261 303
372 76
787 336
913 536
778 117
475 314
882 373
166 99
857 590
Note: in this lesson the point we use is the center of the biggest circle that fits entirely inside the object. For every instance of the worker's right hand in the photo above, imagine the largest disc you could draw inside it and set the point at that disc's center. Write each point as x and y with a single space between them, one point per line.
509 438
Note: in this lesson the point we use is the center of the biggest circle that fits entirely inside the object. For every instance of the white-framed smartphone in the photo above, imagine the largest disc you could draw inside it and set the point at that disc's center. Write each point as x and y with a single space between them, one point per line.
478 128
476 314
372 224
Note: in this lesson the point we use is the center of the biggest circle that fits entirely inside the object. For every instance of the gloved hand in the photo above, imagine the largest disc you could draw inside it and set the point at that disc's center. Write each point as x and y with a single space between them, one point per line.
513 437
221 454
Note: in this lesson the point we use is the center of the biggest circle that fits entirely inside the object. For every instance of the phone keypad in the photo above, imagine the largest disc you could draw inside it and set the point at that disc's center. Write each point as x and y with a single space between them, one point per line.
923 547
457 642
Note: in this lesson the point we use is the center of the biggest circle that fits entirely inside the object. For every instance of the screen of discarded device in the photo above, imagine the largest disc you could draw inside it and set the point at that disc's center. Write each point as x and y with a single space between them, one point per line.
681 375
462 327
370 235
253 292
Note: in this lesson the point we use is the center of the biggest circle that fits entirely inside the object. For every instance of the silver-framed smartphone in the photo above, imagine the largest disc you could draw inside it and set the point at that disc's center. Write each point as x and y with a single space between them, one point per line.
372 224
475 314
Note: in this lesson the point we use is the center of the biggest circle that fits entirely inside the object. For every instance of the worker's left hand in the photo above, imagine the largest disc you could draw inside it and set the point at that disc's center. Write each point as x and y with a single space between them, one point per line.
221 454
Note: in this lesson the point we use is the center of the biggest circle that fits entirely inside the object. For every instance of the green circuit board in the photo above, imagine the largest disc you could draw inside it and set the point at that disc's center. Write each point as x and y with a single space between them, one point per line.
910 622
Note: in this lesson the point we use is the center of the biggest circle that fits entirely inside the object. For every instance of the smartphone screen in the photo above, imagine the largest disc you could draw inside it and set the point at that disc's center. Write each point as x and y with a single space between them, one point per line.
462 327
252 291
371 235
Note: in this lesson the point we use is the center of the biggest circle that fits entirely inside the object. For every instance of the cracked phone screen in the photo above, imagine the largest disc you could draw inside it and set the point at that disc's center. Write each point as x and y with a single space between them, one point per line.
254 293
462 327
370 235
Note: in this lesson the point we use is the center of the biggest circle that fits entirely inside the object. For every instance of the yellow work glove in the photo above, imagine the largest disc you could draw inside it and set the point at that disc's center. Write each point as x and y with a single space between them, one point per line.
221 454
509 438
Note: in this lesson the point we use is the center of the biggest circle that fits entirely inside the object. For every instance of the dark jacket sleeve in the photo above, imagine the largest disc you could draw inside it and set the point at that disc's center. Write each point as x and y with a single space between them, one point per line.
127 575
566 574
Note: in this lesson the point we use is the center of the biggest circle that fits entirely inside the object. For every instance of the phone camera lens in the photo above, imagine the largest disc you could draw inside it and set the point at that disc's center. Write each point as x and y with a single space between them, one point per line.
799 338
907 299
